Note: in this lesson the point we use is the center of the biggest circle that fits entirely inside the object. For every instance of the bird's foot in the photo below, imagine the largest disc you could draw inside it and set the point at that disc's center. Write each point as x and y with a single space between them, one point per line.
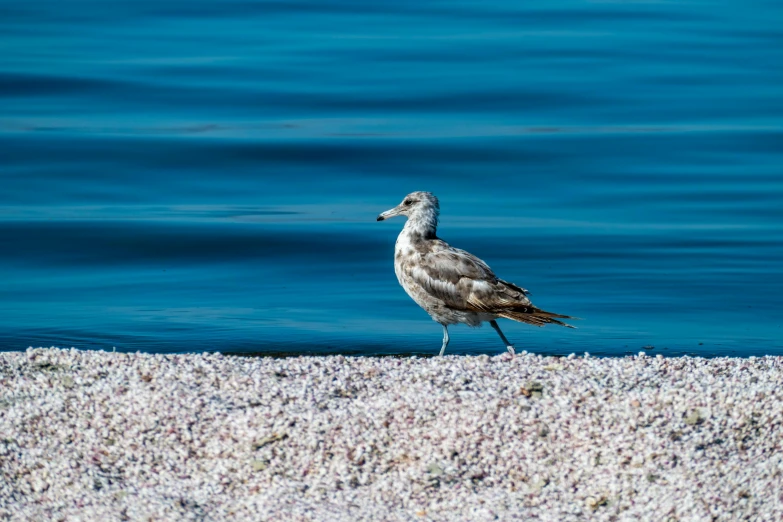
510 355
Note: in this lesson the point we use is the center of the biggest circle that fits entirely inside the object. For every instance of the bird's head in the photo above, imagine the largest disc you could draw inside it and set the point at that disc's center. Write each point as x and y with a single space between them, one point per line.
421 209
415 204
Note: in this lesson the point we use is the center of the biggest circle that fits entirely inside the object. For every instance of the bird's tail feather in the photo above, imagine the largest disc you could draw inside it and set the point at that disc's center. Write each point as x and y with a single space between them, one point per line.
534 316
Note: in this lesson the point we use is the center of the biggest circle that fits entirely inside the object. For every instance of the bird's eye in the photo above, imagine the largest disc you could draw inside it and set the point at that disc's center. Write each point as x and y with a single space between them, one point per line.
407 202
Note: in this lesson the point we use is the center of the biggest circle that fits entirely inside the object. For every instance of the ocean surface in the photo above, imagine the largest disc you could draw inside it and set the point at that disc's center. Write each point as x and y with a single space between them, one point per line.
184 176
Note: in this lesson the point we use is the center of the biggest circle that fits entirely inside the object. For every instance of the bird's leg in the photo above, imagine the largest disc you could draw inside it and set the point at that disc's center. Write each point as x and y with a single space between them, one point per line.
509 346
445 340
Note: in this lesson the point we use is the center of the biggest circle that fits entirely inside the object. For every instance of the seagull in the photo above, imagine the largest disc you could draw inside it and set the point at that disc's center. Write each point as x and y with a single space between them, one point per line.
452 285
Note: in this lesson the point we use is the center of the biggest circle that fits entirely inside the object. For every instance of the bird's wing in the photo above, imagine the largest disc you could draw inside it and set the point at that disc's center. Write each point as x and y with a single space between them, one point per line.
463 281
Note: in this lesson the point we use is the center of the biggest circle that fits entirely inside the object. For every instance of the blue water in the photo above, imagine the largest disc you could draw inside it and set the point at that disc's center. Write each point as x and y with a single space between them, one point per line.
186 175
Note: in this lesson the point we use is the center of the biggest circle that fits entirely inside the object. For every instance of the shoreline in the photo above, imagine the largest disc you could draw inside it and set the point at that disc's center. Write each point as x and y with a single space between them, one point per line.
112 436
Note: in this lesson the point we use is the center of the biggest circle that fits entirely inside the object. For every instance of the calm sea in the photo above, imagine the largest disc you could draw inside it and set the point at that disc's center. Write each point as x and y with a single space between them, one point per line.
182 175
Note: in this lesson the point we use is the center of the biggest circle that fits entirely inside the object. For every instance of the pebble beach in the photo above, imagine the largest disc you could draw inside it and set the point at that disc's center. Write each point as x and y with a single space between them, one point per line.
88 435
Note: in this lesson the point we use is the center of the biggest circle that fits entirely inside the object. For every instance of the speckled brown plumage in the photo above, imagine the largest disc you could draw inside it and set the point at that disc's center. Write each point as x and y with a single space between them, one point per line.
450 284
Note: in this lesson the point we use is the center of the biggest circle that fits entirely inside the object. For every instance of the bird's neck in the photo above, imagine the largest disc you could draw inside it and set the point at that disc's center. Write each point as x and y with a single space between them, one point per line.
422 224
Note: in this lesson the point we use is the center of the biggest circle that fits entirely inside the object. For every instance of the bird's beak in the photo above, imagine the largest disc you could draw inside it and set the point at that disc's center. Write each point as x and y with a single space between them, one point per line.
389 214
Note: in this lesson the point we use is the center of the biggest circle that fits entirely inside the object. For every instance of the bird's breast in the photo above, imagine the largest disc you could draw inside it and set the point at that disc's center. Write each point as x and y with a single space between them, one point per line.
405 256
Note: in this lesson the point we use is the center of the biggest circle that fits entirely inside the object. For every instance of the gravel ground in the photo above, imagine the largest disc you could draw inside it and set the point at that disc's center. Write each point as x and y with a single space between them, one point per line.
113 436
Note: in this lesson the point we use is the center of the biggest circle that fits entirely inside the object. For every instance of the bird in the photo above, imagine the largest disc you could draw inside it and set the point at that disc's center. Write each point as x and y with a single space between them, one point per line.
454 286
